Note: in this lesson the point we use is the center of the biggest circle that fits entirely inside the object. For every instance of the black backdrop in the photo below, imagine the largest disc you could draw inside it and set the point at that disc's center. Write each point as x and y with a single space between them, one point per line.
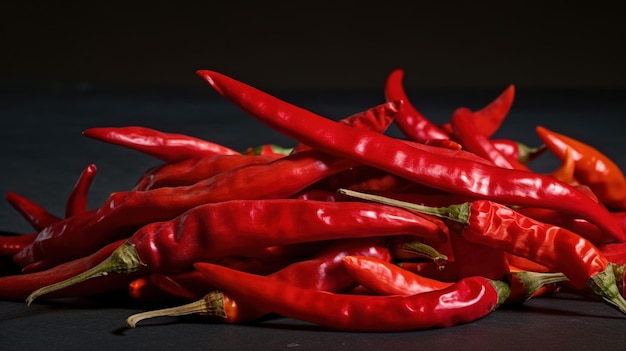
316 44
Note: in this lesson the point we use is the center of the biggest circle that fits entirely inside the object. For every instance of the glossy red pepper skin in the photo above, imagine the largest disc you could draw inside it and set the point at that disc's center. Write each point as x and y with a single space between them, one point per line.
324 272
465 301
128 211
466 131
194 170
168 147
18 287
77 201
11 244
386 278
216 230
592 167
419 163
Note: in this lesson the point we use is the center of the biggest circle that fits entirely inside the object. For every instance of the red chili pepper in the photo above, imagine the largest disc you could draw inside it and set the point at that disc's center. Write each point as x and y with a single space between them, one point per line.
194 170
36 215
465 301
18 287
466 131
77 201
324 272
489 118
422 165
128 211
475 258
565 171
410 121
593 168
168 147
497 226
517 150
10 244
212 231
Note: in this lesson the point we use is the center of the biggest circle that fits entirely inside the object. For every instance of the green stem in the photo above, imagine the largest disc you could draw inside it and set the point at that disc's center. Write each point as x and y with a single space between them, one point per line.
534 281
416 249
123 260
458 213
503 289
604 285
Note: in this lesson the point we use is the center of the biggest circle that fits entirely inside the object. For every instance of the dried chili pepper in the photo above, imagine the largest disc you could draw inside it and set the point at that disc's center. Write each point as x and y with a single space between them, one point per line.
420 163
593 168
497 226
128 211
168 147
216 230
465 301
77 201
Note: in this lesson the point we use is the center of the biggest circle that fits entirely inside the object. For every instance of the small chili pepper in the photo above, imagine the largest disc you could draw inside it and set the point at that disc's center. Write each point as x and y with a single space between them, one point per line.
497 226
565 171
489 118
410 121
194 170
465 301
466 131
36 215
168 147
17 287
593 168
517 150
11 244
77 201
215 230
419 163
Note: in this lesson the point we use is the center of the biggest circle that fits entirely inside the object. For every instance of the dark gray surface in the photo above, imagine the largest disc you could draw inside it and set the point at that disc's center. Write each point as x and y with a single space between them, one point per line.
43 152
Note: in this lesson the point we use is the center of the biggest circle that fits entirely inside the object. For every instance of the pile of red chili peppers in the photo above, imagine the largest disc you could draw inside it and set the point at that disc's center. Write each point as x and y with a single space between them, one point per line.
350 228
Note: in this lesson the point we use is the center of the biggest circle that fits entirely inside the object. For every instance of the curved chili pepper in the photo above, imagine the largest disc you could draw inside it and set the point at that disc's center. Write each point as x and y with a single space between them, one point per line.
78 199
593 168
11 244
410 121
565 171
215 230
126 211
168 147
36 215
466 131
497 226
465 301
421 164
18 287
489 118
193 170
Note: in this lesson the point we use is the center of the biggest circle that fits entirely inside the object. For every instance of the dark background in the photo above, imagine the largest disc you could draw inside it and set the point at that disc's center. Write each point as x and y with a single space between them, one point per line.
316 44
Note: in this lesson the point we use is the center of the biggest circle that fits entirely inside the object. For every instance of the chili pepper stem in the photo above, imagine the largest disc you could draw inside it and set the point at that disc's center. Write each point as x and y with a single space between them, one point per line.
604 285
123 260
458 213
533 281
502 288
414 249
206 305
